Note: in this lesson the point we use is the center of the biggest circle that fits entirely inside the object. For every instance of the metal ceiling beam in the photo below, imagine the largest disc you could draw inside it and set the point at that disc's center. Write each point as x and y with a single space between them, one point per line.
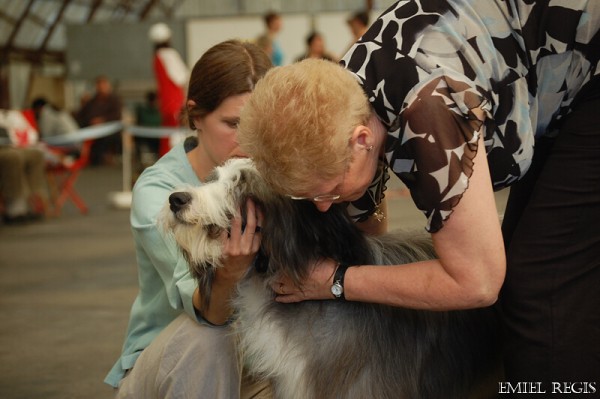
125 7
152 4
163 7
167 8
170 11
34 56
37 20
11 39
55 23
93 8
147 8
7 18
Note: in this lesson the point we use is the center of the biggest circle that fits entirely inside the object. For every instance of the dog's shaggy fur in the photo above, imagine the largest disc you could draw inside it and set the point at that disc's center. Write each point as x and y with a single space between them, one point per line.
331 348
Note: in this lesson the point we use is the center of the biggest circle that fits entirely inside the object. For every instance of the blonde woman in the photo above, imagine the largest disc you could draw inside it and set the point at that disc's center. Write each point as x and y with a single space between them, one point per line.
426 93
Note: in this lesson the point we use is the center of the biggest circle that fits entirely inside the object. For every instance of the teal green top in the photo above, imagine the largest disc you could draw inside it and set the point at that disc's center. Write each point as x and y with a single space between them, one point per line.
165 284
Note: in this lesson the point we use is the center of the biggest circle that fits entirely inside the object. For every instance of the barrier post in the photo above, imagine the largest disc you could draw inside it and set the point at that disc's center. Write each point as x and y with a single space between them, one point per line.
128 148
122 199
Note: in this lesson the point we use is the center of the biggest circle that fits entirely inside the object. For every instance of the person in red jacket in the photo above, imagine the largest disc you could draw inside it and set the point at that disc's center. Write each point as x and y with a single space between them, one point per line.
171 75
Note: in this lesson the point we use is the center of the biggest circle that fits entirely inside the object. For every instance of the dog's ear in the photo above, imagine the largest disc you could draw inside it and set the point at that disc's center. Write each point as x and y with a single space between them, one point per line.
252 185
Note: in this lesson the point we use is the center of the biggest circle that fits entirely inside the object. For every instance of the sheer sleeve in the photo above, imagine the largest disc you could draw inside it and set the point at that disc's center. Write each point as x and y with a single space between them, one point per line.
437 141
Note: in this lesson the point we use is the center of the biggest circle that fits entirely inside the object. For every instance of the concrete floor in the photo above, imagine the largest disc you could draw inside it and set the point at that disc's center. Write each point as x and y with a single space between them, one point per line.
66 287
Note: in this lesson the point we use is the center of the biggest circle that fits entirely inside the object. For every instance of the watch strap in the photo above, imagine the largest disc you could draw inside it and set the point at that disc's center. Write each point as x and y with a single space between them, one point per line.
338 277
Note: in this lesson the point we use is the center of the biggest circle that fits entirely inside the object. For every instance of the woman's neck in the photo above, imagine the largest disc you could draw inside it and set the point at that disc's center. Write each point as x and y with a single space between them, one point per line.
201 163
380 133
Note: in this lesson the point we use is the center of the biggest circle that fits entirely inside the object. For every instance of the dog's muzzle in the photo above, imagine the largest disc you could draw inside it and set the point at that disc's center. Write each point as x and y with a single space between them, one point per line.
179 201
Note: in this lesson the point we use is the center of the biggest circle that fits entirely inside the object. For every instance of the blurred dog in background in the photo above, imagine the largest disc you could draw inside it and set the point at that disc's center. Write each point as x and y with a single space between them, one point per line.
330 348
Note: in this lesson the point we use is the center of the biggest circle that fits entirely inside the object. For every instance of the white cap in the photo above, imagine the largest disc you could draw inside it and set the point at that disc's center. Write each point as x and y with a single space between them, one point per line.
159 33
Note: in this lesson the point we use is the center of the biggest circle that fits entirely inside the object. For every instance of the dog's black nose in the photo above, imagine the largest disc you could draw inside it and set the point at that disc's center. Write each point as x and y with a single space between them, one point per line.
179 201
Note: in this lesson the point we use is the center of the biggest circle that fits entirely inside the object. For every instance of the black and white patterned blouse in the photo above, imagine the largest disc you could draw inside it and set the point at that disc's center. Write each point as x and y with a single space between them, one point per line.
424 64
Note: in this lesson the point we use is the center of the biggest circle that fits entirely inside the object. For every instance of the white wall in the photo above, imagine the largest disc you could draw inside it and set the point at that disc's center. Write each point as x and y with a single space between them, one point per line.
203 33
335 31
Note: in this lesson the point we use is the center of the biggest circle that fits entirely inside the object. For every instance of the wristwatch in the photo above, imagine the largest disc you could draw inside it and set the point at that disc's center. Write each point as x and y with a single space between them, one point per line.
337 288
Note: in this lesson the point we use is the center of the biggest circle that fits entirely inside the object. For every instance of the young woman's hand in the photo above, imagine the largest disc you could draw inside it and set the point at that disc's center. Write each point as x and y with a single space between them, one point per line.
240 245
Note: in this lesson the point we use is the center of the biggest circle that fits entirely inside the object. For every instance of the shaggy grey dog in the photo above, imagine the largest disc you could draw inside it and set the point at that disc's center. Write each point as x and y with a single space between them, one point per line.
331 348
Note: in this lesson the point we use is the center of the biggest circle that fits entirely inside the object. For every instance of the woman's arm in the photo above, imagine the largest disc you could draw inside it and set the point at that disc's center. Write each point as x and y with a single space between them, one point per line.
469 272
471 265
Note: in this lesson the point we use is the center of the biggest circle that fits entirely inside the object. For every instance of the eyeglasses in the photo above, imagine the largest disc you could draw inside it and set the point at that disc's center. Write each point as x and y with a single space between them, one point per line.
324 197
318 198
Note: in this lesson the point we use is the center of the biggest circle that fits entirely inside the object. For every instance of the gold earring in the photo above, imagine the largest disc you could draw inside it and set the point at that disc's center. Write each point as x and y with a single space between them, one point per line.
369 148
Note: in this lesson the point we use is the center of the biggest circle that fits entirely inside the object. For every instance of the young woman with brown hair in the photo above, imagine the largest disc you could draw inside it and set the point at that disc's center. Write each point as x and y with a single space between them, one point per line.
178 342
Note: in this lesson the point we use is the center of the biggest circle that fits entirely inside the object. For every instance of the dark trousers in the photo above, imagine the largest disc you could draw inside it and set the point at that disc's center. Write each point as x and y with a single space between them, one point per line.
550 302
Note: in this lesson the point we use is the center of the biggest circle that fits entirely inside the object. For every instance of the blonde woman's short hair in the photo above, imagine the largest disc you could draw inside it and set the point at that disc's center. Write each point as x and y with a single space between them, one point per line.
297 124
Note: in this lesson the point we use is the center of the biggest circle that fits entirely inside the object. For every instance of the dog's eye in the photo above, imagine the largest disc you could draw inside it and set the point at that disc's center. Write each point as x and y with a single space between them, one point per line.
213 231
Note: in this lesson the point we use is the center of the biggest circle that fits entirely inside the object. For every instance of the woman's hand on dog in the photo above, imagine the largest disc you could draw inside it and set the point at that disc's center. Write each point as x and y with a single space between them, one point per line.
240 244
316 286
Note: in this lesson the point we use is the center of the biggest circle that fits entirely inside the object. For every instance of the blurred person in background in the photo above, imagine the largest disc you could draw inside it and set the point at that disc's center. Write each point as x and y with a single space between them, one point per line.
171 74
147 148
104 106
315 48
358 24
273 24
23 189
266 44
52 121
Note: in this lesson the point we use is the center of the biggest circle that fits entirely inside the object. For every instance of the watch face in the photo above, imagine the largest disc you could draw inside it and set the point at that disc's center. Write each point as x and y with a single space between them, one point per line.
336 289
